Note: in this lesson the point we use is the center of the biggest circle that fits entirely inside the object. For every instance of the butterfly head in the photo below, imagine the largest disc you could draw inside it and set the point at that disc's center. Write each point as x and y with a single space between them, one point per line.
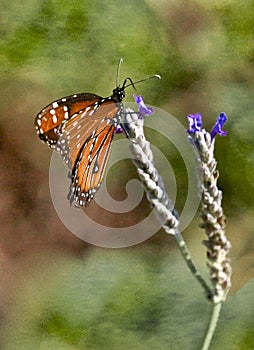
119 93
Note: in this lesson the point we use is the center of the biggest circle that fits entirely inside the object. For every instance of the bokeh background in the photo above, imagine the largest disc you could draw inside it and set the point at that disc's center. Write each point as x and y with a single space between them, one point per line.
58 292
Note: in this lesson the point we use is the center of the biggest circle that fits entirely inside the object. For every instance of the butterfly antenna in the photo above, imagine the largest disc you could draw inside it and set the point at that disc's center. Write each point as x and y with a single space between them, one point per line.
140 81
118 71
131 83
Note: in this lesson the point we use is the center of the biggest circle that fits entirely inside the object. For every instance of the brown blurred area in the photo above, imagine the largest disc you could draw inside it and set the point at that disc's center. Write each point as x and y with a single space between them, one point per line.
31 231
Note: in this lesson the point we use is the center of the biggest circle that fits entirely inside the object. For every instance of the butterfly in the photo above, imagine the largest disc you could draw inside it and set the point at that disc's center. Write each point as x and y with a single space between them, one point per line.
81 128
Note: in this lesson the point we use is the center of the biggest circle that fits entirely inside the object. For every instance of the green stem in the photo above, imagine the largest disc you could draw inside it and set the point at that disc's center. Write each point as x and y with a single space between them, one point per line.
187 257
212 326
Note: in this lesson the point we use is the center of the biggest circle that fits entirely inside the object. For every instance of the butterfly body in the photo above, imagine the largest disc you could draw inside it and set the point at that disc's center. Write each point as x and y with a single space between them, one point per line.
81 128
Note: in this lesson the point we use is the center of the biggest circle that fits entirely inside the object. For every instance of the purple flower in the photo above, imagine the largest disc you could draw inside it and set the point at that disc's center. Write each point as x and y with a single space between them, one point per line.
217 129
142 108
195 123
119 129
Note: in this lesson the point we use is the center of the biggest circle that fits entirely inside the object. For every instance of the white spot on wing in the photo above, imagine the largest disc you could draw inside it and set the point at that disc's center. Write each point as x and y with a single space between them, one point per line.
55 105
54 119
52 111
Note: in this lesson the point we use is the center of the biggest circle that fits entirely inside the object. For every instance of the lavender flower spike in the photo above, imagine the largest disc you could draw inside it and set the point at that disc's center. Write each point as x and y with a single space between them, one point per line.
195 123
217 129
212 216
142 108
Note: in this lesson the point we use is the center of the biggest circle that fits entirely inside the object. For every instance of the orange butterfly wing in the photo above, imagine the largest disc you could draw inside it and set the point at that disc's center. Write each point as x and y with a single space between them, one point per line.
81 127
85 145
88 122
49 121
91 165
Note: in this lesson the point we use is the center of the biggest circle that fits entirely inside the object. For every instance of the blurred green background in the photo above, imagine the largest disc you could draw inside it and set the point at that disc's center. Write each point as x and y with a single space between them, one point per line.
58 292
